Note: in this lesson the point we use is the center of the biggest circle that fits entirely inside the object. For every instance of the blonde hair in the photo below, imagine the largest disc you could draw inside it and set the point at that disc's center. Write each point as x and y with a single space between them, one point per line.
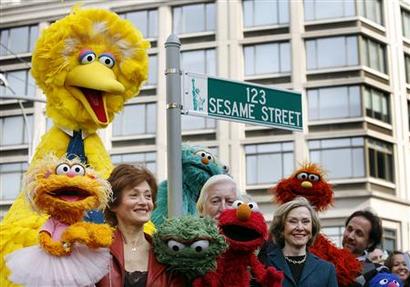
279 218
203 195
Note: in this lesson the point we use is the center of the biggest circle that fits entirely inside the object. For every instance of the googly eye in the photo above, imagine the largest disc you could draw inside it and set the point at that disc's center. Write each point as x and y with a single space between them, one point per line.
87 57
200 245
302 176
383 281
78 169
201 153
237 203
225 169
396 283
253 206
62 168
107 60
314 177
175 245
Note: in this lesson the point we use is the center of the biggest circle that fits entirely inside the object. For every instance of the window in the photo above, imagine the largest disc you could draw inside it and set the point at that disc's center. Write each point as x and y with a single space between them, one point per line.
263 13
329 153
196 123
334 233
405 20
371 10
381 160
146 21
18 40
267 58
407 64
21 84
136 119
335 102
389 239
147 159
377 104
10 179
321 53
13 130
152 70
199 61
194 18
374 55
261 159
319 9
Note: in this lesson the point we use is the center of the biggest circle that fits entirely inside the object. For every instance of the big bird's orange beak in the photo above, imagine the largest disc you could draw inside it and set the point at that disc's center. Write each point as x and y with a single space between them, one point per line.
90 84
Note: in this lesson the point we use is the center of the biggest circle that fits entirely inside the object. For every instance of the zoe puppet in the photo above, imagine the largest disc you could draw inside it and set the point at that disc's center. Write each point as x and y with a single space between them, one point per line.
71 252
309 182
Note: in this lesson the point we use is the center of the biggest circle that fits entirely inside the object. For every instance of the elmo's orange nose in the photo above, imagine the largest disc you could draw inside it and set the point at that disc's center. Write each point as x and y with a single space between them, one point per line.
204 160
306 184
243 212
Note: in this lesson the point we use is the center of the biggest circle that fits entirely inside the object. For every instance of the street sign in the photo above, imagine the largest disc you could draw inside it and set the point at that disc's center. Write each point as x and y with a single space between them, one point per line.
241 101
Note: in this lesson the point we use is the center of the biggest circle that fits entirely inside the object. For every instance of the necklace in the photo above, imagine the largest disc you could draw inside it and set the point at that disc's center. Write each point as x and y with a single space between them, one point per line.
296 261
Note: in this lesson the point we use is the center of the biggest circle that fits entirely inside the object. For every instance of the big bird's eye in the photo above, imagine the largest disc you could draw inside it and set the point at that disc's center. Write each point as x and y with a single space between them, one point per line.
87 57
314 177
237 203
302 176
253 205
78 169
175 245
383 281
200 245
62 168
107 60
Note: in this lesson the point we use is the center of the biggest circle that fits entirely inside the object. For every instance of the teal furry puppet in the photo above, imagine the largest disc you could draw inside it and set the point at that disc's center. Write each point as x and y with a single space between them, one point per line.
198 165
189 245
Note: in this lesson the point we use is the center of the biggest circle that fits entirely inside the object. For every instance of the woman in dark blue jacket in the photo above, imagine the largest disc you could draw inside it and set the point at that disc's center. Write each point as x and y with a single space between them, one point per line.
293 229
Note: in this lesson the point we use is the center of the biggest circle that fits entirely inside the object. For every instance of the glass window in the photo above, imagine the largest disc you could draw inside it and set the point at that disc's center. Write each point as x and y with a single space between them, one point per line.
153 70
374 55
334 233
263 13
194 18
13 130
18 40
389 239
147 159
405 19
146 21
196 123
11 175
371 10
21 84
136 119
261 157
321 53
199 61
334 102
407 64
267 58
377 104
319 9
328 153
381 160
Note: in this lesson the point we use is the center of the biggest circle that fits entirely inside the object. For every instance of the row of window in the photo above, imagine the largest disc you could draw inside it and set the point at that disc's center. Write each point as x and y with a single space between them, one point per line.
357 153
201 18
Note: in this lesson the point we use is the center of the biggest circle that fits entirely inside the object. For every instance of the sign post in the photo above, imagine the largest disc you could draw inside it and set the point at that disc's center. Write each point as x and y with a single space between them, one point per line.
242 102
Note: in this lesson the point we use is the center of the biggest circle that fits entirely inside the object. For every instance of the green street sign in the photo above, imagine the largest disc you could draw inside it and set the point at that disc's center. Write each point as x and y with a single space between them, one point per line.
241 101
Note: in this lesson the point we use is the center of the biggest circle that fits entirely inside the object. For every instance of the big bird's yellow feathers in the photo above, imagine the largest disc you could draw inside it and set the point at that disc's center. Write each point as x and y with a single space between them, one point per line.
83 93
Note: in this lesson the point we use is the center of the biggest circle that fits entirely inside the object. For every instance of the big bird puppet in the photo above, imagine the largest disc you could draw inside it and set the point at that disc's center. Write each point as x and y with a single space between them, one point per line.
309 181
87 64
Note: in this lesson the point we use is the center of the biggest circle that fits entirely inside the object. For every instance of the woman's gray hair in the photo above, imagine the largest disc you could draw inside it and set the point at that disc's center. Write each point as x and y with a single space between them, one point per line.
277 226
203 195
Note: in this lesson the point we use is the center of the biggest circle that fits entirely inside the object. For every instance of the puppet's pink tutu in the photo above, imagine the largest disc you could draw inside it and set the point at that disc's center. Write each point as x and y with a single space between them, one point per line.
32 266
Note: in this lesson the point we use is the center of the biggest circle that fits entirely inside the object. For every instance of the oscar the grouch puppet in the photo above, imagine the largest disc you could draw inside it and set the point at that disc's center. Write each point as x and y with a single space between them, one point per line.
189 245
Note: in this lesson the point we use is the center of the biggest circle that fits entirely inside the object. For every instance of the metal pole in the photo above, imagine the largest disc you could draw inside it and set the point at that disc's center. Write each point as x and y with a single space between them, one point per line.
174 165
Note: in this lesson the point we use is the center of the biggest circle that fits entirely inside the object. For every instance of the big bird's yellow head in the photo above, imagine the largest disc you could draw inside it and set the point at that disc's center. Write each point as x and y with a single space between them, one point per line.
88 64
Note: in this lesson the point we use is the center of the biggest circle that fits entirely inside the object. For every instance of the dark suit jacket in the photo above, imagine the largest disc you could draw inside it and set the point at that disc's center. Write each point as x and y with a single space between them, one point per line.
316 272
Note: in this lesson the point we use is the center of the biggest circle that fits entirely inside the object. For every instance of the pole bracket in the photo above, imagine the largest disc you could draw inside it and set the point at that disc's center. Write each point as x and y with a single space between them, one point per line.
174 71
174 106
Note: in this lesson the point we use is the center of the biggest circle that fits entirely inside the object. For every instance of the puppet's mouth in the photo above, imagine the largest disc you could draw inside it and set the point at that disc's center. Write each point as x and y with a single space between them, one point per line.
95 100
70 194
240 233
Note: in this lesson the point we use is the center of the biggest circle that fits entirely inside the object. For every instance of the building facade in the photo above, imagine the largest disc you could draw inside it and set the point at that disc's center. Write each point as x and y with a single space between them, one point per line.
349 58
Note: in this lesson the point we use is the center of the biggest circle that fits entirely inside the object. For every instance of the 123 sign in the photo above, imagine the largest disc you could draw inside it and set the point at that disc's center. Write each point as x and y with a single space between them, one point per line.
242 101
